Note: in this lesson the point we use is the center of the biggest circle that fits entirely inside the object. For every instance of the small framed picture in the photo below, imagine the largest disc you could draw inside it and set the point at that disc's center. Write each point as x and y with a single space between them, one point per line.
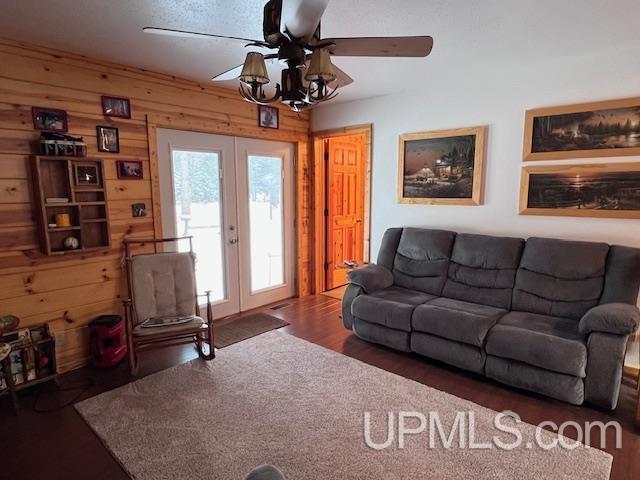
138 210
116 107
108 140
49 119
268 117
87 175
129 169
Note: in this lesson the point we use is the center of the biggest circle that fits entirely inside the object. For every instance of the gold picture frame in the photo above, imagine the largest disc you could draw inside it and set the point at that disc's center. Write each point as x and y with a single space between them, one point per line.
429 184
583 130
584 190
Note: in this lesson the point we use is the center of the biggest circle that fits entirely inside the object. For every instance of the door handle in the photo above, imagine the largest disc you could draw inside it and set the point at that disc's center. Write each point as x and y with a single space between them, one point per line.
233 241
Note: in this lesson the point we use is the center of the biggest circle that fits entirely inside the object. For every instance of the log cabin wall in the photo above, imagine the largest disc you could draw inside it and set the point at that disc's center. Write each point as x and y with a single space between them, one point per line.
69 292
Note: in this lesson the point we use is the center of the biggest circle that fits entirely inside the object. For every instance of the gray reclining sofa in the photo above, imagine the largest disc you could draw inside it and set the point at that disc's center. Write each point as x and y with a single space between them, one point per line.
545 315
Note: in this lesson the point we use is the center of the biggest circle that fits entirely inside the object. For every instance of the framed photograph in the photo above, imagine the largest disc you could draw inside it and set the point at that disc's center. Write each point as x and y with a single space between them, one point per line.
138 210
116 107
129 169
600 129
108 140
49 119
609 190
268 117
442 167
87 175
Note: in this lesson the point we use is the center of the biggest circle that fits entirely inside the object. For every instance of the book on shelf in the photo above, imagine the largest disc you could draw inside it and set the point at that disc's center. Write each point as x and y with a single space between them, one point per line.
56 200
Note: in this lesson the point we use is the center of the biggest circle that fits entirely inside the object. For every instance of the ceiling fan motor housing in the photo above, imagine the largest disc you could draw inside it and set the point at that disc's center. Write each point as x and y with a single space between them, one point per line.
271 22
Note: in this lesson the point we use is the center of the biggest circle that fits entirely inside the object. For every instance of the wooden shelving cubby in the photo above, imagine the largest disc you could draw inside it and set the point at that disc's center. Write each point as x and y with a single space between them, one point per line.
75 187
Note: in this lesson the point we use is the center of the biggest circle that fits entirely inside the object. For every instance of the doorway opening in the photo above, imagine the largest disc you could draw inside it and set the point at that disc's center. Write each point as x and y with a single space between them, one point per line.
342 163
234 196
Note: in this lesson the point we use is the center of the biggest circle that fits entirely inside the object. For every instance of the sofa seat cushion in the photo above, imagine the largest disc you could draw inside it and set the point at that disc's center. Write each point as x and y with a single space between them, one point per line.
456 320
547 342
391 307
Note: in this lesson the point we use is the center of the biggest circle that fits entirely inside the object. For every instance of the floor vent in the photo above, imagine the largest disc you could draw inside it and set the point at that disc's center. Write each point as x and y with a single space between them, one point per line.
279 306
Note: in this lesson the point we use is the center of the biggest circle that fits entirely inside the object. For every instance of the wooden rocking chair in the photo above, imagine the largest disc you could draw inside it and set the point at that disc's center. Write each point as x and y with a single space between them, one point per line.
162 286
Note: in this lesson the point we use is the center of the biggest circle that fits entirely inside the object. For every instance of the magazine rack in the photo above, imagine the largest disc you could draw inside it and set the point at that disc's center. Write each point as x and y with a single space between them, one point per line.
32 360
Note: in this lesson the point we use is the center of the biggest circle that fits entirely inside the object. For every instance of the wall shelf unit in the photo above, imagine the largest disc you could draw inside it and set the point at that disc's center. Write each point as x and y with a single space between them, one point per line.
71 201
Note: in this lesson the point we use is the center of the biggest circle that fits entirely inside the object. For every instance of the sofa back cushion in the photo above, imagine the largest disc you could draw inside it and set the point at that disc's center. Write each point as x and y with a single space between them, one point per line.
389 247
483 269
422 259
622 280
560 278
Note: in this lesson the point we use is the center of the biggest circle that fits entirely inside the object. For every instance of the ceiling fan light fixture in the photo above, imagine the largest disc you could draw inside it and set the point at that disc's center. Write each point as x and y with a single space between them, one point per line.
320 67
254 70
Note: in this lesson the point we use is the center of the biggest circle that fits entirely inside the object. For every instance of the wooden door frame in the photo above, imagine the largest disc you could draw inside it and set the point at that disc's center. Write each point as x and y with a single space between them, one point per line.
320 201
302 232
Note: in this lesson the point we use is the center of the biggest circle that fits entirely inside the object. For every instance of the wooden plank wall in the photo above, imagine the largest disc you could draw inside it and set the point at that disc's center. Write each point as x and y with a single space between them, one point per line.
69 292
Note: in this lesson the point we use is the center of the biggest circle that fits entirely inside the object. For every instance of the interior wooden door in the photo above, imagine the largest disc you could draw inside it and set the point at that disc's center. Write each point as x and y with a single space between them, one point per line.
345 174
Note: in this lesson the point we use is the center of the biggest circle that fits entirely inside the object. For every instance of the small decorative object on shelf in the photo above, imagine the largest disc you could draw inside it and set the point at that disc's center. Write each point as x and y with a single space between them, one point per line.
62 220
71 203
57 144
86 174
71 243
116 107
49 119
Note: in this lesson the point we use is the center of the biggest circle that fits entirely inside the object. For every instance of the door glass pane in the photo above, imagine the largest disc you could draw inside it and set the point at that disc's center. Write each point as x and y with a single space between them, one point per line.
196 183
266 221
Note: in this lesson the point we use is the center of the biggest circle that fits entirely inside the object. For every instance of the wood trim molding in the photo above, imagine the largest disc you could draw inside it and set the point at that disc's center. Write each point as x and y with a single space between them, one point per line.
302 178
319 196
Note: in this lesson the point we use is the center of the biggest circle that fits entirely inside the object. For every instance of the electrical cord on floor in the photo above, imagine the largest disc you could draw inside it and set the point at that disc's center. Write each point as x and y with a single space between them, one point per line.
82 387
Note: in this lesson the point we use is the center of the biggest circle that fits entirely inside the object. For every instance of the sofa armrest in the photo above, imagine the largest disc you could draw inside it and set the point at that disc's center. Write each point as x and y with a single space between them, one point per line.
616 318
371 278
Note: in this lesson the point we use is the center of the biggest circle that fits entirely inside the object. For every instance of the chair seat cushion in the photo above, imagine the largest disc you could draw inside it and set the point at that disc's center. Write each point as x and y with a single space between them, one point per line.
547 342
391 307
193 324
456 320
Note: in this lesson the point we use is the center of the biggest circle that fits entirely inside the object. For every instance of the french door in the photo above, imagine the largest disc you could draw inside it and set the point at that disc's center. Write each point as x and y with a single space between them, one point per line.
235 197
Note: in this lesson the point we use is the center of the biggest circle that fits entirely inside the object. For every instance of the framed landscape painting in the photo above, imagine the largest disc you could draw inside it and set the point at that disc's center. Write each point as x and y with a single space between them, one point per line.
601 129
442 167
589 190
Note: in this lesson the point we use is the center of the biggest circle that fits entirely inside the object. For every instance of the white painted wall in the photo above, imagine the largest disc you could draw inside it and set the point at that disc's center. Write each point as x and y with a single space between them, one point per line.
497 98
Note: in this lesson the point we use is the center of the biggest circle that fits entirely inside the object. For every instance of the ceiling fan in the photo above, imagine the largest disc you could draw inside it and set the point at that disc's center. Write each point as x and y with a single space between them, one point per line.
292 28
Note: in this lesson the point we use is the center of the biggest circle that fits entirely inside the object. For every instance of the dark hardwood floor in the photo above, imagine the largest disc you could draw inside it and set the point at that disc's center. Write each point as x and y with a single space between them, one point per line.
59 445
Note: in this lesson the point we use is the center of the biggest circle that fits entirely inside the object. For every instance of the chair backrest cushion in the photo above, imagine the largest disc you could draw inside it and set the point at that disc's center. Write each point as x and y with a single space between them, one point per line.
422 259
483 269
622 280
163 284
560 278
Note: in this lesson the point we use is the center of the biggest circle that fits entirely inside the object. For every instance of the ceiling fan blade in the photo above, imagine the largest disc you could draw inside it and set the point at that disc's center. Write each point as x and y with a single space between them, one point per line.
235 72
341 77
300 18
186 34
379 46
231 74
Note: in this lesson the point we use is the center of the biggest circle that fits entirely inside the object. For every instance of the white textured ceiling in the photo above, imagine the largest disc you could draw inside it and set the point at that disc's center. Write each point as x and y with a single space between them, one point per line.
470 36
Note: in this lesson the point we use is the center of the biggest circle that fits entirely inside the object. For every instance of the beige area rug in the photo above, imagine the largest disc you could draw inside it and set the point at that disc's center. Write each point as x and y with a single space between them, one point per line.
281 400
238 330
